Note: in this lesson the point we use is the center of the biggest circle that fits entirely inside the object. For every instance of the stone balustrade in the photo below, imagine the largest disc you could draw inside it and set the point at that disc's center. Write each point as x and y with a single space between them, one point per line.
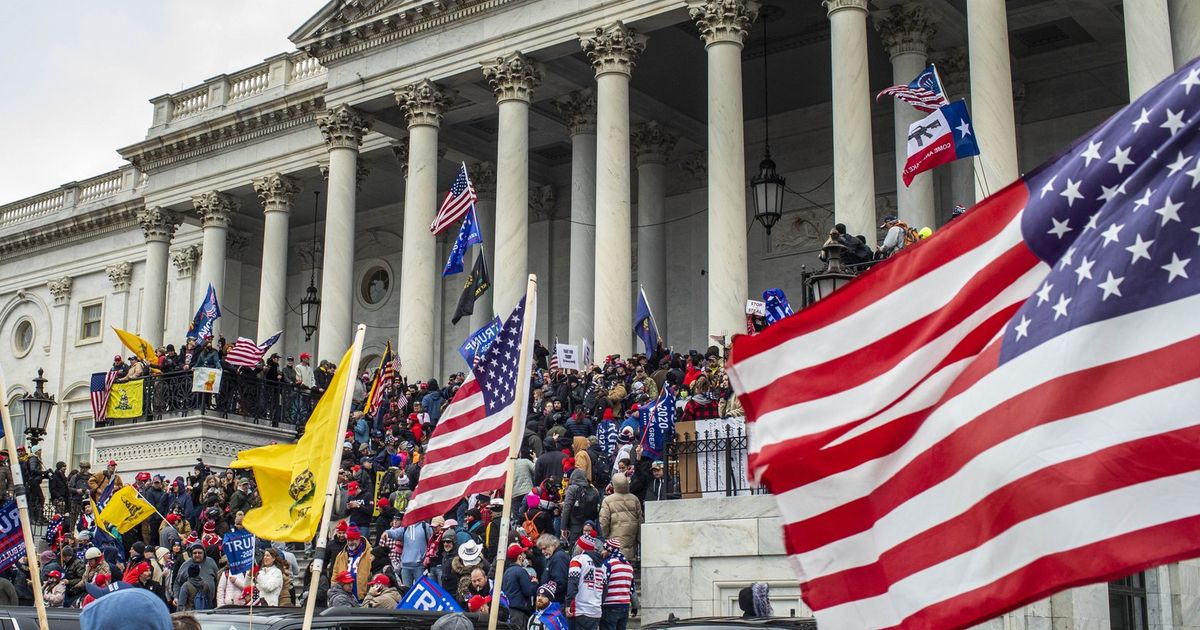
67 197
274 74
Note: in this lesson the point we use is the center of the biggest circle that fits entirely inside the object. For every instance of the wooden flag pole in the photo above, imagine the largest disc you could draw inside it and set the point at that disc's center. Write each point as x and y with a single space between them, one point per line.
335 450
514 447
10 444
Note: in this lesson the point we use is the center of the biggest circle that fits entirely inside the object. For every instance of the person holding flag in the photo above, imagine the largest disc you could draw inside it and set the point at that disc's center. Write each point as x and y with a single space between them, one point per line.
643 323
206 316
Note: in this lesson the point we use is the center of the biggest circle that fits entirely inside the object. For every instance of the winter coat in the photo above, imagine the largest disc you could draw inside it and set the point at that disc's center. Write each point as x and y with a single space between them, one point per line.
522 477
519 588
621 515
386 599
342 563
270 584
54 595
573 518
230 589
336 596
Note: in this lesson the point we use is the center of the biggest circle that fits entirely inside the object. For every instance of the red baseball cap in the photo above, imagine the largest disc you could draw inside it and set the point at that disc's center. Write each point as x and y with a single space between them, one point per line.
344 578
381 579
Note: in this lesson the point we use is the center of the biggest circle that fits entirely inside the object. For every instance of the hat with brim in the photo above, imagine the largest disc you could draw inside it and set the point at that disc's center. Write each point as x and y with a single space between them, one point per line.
101 591
470 552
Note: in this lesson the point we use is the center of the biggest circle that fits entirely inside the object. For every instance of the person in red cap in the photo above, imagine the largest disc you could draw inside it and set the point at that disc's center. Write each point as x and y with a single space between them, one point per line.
304 371
54 589
355 560
382 594
98 482
341 592
518 586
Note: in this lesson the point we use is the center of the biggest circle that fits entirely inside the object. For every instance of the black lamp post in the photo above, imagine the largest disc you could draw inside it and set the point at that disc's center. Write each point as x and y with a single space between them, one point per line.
310 304
37 406
834 276
767 187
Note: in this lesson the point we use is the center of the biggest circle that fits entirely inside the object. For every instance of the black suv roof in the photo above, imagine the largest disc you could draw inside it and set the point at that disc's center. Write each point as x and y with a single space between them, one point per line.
759 623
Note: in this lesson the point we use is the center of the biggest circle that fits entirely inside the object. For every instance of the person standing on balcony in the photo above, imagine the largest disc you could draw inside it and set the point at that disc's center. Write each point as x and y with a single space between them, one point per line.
59 492
288 372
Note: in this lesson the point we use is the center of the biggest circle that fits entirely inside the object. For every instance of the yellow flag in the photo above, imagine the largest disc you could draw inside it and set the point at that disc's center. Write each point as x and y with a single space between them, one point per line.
142 348
125 401
126 509
292 478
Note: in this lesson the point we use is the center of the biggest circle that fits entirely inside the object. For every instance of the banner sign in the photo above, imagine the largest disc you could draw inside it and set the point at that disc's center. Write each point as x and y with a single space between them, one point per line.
428 595
606 435
206 380
479 341
659 422
12 541
239 548
585 358
125 401
755 307
568 356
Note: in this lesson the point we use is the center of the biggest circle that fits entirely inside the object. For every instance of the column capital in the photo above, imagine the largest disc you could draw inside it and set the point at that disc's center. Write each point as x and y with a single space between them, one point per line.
423 103
578 110
215 208
158 224
60 290
343 127
833 6
542 201
614 48
185 260
235 243
651 142
483 177
512 77
400 151
119 275
954 70
905 28
724 20
276 191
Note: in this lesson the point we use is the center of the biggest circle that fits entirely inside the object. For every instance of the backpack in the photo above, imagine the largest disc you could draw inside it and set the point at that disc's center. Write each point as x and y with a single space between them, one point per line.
586 504
200 600
911 235
530 527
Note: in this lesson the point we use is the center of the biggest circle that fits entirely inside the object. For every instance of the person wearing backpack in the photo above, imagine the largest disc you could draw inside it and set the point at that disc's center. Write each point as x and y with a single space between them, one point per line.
206 571
581 503
621 515
899 235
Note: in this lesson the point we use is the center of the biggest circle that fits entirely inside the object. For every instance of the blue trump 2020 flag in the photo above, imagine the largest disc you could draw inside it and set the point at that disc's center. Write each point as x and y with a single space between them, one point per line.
643 323
206 316
428 595
777 305
468 235
12 539
659 422
239 549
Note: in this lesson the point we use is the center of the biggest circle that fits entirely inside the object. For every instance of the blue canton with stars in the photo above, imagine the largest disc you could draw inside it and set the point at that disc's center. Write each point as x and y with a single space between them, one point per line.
1117 216
496 370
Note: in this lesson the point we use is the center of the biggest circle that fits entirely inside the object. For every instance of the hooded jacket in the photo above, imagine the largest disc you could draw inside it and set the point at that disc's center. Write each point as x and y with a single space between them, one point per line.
621 514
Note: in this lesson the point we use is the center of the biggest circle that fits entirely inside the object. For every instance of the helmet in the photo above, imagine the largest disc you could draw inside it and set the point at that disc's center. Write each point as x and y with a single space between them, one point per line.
92 553
143 476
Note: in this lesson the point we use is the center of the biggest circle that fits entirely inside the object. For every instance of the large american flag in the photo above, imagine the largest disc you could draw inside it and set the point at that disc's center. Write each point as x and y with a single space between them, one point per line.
924 93
469 448
458 201
246 353
100 389
1008 409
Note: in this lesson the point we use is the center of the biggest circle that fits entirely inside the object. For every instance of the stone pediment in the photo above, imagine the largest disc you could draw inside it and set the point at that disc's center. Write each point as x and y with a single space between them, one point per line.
344 27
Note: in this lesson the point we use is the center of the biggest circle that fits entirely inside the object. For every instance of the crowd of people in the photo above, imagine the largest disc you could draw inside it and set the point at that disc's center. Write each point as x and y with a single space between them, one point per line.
577 505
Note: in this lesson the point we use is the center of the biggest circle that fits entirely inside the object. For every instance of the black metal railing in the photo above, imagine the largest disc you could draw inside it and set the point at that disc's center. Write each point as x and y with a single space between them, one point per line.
242 397
711 463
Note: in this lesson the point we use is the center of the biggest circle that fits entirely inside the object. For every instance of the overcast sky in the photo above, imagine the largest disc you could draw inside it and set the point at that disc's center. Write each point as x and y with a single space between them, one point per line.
79 74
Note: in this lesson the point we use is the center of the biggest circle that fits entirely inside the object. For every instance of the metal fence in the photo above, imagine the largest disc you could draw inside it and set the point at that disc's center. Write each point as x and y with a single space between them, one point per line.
711 463
243 397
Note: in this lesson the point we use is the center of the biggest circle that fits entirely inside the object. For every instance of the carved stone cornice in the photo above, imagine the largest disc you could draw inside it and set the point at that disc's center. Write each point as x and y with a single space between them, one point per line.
614 48
423 103
343 127
186 260
542 200
119 275
578 110
235 244
512 77
244 125
905 28
60 290
833 6
724 20
277 191
215 208
483 178
158 224
87 227
651 142
695 166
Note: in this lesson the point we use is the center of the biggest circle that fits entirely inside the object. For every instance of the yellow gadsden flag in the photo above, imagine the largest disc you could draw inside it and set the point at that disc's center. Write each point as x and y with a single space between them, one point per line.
126 399
126 509
292 478
142 348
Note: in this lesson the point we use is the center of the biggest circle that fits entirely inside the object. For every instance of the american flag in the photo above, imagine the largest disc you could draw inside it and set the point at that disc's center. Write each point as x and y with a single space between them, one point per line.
469 448
1007 409
246 353
924 93
384 376
554 356
458 201
100 389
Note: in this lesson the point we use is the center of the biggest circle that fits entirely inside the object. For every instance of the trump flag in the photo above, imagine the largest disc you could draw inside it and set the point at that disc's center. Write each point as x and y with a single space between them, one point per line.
939 138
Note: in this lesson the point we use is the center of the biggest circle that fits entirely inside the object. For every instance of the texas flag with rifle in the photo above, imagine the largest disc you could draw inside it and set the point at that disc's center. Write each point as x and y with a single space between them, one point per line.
939 138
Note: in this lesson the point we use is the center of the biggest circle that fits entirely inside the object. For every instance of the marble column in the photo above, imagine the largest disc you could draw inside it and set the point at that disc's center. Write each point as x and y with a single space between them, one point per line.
513 78
1148 54
613 51
853 156
1185 30
423 103
906 31
723 26
578 110
991 96
215 209
343 128
158 226
483 177
956 81
652 145
276 193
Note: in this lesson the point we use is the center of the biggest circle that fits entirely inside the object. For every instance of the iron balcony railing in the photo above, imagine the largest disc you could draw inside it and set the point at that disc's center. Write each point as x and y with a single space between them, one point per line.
711 463
242 397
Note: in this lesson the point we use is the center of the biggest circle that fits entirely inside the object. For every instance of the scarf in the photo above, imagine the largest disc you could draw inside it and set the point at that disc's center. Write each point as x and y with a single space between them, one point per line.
352 565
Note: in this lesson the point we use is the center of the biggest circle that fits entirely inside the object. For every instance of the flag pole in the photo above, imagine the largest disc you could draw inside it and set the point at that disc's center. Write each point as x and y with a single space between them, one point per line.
10 445
335 455
650 310
514 447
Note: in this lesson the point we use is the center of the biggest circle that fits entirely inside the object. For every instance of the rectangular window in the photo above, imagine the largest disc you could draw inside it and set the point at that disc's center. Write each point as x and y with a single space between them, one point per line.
91 319
1127 603
81 442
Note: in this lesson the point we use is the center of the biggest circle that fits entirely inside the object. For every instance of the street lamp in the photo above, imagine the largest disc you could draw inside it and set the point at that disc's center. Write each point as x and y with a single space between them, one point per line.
38 406
310 304
767 187
834 276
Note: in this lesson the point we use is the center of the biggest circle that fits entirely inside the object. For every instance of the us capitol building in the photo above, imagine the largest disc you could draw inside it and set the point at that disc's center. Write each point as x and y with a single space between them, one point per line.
612 144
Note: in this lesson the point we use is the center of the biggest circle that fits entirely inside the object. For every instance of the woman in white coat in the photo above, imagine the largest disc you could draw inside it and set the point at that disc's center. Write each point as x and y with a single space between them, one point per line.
270 581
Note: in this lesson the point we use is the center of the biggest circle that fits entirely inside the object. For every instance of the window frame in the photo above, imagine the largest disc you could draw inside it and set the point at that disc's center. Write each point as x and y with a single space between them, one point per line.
1125 594
369 268
73 455
16 347
80 339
